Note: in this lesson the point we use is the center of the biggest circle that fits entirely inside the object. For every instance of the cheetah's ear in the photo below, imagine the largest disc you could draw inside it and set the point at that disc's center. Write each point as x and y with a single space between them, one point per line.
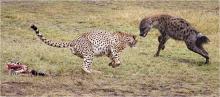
134 36
118 31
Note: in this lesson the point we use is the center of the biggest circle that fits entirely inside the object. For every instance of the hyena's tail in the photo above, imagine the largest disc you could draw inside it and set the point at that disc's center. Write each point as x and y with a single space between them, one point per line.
49 42
201 39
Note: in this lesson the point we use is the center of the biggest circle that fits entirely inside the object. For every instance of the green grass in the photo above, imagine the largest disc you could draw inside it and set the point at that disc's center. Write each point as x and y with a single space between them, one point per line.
177 72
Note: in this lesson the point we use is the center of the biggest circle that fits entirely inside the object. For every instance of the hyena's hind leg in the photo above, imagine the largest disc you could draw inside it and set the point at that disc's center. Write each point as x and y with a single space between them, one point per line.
201 47
192 46
162 39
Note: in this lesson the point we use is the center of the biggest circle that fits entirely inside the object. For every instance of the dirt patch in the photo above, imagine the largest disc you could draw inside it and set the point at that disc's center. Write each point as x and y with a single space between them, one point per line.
14 88
112 92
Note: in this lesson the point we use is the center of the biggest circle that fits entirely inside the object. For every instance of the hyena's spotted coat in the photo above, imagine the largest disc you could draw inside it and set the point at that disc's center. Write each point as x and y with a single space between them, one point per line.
176 28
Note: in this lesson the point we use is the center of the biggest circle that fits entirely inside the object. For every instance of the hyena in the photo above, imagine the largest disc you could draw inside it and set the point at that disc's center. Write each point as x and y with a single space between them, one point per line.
176 28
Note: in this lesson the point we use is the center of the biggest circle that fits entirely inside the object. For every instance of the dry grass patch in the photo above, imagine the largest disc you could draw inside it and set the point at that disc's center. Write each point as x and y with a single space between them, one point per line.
177 72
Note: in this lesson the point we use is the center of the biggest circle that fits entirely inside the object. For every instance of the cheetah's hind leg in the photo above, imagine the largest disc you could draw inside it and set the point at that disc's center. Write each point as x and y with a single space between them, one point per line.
86 67
90 71
85 70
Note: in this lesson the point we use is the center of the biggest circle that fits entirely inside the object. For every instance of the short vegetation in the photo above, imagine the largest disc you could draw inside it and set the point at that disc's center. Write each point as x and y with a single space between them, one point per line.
176 72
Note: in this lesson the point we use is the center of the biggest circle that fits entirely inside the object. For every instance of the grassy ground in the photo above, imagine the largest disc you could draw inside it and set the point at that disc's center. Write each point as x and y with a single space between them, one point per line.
177 72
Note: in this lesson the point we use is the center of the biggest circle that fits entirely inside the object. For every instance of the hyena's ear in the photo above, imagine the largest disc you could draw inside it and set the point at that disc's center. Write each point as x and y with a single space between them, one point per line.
155 23
149 20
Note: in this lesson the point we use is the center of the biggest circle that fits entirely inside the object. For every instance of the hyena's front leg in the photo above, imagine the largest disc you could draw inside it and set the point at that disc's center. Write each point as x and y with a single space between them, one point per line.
162 40
114 56
191 46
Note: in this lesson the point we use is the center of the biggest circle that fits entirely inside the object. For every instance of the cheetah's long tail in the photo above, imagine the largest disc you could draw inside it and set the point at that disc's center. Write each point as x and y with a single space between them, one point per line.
49 42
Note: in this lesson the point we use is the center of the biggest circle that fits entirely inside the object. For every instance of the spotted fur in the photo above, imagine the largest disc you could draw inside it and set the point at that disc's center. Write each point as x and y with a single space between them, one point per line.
176 28
95 43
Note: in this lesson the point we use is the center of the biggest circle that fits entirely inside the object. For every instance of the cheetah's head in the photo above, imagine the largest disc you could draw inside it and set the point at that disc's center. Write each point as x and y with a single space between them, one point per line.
128 39
131 40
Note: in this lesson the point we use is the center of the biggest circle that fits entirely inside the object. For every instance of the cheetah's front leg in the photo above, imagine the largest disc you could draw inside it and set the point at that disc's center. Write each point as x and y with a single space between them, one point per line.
115 59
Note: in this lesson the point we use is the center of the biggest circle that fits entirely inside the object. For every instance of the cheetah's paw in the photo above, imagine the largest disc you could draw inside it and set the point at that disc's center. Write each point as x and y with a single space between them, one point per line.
86 70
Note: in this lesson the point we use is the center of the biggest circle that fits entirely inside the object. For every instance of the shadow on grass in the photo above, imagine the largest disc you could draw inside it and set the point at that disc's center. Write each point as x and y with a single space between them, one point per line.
143 53
184 60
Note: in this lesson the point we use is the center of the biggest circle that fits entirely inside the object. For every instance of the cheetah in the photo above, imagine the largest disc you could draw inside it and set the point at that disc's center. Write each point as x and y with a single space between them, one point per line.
94 43
176 28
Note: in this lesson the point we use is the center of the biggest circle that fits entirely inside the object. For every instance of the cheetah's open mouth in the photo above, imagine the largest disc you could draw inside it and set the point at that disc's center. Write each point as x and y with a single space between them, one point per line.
133 44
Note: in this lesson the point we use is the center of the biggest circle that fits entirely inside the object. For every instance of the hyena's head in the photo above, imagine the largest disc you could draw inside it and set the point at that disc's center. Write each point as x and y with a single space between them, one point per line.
145 26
